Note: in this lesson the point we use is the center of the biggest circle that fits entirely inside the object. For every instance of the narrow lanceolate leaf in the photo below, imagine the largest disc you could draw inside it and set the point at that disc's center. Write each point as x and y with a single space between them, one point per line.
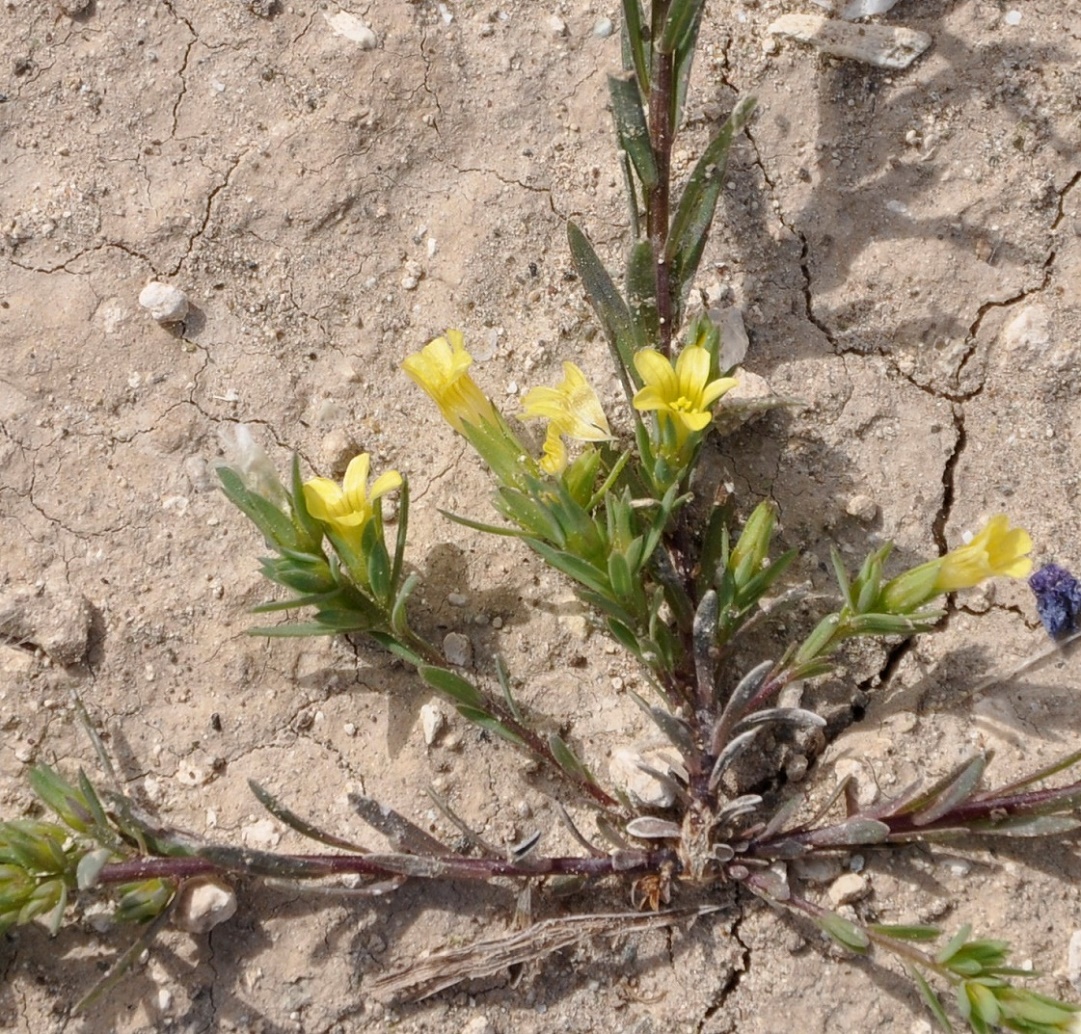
631 128
731 751
453 686
704 638
478 716
960 788
683 15
294 821
739 701
906 931
567 759
854 832
642 291
797 716
846 934
927 993
608 304
636 52
649 828
694 215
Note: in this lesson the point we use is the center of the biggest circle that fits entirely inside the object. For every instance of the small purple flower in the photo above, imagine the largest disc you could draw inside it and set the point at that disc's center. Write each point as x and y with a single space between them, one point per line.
1058 599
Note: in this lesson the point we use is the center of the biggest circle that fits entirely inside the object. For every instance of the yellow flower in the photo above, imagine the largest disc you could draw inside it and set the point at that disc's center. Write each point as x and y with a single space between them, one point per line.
997 549
349 508
683 394
440 369
572 409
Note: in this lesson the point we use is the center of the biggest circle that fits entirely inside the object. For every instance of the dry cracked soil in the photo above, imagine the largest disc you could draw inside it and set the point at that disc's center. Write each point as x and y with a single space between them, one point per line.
905 250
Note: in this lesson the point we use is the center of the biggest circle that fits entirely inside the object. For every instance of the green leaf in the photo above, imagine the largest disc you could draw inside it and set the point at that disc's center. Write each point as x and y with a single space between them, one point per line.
857 831
906 931
567 759
953 945
402 536
623 635
847 935
378 569
631 128
309 527
294 821
619 574
642 291
453 686
694 215
927 993
487 721
575 568
946 797
488 529
682 18
608 304
636 51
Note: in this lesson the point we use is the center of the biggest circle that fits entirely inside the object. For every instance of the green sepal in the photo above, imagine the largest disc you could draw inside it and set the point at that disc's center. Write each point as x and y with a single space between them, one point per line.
310 531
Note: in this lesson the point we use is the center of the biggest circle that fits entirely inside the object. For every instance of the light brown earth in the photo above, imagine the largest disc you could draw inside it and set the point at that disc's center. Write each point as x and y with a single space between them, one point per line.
906 250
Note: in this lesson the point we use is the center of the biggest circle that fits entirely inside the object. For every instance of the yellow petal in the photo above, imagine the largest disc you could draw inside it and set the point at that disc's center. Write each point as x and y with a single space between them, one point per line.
388 481
657 373
356 476
692 372
715 389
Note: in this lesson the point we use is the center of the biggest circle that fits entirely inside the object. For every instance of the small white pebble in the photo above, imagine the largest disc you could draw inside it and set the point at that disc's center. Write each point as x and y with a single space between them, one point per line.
204 904
1012 17
165 303
602 28
432 722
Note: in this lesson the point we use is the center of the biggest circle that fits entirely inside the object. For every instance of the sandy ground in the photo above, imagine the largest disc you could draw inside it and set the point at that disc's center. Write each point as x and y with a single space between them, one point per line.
905 249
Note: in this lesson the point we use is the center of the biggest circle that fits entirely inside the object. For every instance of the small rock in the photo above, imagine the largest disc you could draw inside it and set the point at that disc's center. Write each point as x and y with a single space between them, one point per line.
198 473
336 449
458 650
165 996
204 903
1012 17
352 28
734 339
432 722
73 8
750 398
1073 961
602 28
862 507
557 26
188 774
866 790
817 868
58 624
165 303
457 599
885 46
261 834
645 789
1029 331
848 888
478 1025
